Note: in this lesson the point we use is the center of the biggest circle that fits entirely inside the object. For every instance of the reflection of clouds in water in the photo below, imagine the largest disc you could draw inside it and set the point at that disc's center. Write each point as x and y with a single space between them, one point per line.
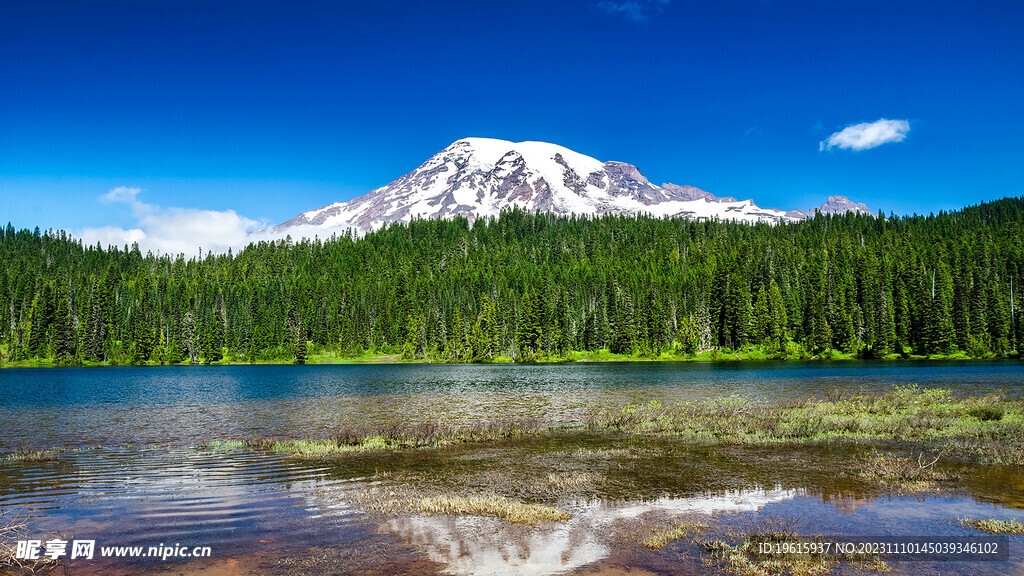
472 545
477 546
731 501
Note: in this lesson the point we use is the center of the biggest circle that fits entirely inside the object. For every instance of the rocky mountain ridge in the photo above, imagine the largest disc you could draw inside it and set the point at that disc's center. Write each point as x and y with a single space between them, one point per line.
480 177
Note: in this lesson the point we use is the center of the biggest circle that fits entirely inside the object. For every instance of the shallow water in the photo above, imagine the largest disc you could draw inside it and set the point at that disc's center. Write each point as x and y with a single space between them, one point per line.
189 404
262 513
245 504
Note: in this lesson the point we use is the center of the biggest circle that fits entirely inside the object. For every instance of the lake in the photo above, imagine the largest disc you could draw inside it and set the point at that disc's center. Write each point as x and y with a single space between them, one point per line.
184 405
138 476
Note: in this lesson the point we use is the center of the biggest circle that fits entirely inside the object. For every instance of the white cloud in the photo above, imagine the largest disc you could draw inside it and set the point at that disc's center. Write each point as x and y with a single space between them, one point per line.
867 135
121 194
110 236
173 230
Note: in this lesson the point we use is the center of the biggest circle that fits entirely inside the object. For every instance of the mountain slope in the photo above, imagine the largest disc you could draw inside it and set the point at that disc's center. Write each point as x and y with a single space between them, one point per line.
479 177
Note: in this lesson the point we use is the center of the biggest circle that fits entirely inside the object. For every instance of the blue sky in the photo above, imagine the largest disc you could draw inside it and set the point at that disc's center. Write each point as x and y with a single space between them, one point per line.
273 108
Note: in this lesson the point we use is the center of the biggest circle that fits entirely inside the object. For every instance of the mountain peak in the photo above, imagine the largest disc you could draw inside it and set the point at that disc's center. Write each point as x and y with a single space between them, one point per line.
479 177
834 205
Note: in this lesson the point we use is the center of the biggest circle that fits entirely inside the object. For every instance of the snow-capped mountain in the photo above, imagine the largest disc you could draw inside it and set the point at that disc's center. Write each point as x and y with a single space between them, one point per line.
834 205
479 177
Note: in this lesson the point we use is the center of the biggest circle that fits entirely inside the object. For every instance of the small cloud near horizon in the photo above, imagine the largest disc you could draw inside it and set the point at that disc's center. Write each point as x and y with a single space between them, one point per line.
174 230
634 10
867 135
122 194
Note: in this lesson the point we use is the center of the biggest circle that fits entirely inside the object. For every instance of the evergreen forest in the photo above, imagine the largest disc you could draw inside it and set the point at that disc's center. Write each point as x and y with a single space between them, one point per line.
533 287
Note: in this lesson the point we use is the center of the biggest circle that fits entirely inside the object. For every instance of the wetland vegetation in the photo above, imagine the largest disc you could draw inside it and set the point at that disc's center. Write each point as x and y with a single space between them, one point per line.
976 430
655 467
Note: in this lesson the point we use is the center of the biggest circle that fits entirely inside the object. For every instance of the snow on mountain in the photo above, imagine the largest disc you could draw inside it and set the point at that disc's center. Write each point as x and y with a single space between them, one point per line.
480 177
834 205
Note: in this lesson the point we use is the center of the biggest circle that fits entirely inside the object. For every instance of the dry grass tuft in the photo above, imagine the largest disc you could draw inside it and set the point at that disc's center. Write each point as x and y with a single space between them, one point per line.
406 499
34 455
498 506
984 430
679 531
573 481
993 526
589 454
900 473
389 436
738 551
12 529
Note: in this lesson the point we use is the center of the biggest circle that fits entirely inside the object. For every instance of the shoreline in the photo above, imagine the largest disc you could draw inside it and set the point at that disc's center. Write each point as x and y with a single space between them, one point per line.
971 429
651 481
395 359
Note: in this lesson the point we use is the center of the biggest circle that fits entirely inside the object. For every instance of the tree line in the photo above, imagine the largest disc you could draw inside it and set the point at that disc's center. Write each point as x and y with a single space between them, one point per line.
528 286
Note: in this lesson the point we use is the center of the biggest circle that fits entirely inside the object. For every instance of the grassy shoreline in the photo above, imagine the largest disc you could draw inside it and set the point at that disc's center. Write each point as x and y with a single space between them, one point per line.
907 423
532 473
979 430
725 357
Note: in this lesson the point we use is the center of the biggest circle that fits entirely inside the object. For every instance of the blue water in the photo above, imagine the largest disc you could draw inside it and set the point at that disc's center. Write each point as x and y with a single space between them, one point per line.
176 385
183 405
146 483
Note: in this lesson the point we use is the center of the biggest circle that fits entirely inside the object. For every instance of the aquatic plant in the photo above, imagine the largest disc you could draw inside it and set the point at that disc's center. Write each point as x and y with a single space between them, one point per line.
986 413
408 499
33 455
984 430
396 436
993 526
749 551
26 455
900 473
678 531
491 505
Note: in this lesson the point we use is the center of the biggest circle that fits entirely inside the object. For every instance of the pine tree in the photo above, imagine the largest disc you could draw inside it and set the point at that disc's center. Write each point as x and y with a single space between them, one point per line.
485 339
213 340
188 337
762 330
817 313
528 332
624 329
63 332
301 349
39 321
777 344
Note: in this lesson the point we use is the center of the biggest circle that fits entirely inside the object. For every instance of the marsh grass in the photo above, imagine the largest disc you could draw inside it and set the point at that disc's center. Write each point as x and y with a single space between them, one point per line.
976 430
48 454
600 454
573 481
218 446
993 526
678 531
900 473
34 455
738 551
388 436
984 430
491 505
407 499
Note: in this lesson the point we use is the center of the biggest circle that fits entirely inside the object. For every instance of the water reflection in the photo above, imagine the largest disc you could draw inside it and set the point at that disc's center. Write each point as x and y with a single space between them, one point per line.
476 546
241 502
147 495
